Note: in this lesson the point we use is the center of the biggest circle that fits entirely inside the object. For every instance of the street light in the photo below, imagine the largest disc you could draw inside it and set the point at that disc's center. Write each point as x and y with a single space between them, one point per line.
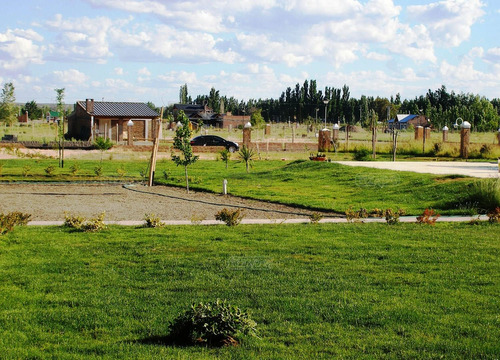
326 103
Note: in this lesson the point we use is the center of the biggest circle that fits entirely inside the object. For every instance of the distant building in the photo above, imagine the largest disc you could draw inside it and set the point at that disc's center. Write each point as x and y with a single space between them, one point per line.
23 118
403 121
91 119
199 113
53 116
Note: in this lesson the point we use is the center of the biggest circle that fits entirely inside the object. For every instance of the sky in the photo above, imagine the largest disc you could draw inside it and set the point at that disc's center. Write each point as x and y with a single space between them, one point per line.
133 50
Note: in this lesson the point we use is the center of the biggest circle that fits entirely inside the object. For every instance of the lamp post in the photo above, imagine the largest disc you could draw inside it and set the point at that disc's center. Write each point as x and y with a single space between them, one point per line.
326 105
130 140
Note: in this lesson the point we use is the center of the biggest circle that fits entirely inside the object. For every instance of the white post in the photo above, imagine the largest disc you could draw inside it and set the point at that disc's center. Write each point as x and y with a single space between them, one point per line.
224 187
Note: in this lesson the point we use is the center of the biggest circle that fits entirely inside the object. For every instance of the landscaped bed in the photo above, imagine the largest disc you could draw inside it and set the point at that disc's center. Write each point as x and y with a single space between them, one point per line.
315 291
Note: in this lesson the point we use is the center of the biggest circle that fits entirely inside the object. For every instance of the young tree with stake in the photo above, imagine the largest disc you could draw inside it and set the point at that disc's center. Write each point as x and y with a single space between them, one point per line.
182 143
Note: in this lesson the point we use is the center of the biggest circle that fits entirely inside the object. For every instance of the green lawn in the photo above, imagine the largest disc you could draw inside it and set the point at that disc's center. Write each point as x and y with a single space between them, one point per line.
359 291
315 185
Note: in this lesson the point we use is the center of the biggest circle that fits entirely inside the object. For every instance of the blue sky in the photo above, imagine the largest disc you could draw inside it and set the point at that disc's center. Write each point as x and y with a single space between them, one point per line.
132 50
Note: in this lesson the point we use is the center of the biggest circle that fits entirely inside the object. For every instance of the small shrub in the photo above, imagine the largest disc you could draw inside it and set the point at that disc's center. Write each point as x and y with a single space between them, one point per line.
74 169
230 217
121 172
215 323
378 213
73 221
436 149
95 224
152 221
315 217
50 170
485 150
494 216
485 194
429 217
26 170
79 223
197 219
392 216
165 174
362 154
98 170
353 215
10 220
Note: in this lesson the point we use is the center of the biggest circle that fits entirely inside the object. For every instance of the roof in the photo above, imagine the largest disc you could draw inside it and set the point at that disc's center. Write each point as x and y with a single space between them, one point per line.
403 118
53 113
189 107
123 109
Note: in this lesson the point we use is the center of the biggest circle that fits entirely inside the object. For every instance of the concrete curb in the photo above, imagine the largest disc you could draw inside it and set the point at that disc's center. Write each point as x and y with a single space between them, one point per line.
403 219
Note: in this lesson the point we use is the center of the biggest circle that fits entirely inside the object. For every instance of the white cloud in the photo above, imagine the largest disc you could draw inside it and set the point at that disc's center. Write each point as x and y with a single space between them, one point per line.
449 21
377 56
324 7
18 48
493 55
179 77
70 77
81 39
191 16
118 71
164 42
144 71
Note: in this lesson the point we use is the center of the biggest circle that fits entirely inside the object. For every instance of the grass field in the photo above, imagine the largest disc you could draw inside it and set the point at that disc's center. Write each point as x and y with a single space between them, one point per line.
358 291
315 185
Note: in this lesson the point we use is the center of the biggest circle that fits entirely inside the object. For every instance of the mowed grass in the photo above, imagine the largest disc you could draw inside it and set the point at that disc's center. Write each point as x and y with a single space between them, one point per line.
308 184
359 291
327 186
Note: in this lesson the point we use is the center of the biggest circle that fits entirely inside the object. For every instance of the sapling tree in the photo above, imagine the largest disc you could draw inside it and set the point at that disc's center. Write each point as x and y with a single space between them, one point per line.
182 143
225 155
246 155
60 126
7 104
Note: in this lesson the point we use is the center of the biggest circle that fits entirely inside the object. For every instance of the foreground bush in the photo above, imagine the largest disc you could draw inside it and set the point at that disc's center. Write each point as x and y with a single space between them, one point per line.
152 221
230 217
485 195
215 323
79 223
10 220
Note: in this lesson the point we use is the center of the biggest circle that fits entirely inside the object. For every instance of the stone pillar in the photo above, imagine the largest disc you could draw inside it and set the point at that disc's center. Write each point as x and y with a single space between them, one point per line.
324 140
268 129
419 132
247 134
130 137
465 139
427 130
445 134
335 132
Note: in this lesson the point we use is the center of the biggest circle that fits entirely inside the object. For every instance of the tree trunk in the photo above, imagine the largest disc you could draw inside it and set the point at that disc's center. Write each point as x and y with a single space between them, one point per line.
187 179
374 142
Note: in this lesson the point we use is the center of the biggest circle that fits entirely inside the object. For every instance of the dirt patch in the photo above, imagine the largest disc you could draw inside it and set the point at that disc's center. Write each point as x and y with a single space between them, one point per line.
49 202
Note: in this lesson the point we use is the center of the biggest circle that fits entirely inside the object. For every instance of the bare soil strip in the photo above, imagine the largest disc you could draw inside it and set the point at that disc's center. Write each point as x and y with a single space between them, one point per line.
50 202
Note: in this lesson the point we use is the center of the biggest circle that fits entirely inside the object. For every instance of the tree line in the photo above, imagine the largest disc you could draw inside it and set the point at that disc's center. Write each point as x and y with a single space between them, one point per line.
306 104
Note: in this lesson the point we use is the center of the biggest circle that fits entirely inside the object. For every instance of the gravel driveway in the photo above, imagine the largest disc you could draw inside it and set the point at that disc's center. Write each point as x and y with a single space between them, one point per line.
49 202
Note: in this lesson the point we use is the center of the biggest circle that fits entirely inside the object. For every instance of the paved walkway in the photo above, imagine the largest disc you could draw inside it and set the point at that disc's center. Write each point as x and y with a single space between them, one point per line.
403 219
474 169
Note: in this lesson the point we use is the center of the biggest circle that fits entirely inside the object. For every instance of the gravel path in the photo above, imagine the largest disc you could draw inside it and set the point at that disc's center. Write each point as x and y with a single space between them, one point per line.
49 202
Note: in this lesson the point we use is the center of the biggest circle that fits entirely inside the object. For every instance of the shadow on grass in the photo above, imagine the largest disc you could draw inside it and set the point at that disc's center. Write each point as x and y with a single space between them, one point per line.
162 340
